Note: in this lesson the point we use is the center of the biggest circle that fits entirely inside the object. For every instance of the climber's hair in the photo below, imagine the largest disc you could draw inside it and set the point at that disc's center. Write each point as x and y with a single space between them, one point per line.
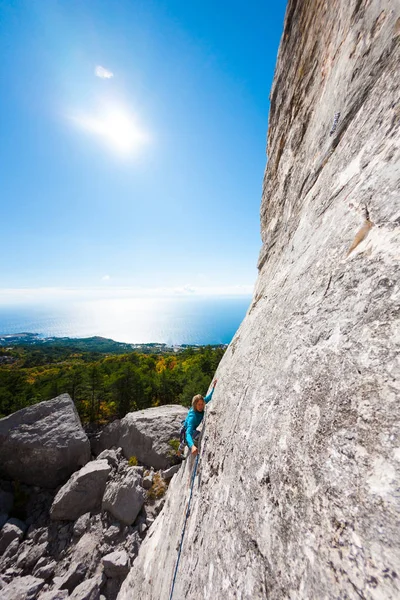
196 398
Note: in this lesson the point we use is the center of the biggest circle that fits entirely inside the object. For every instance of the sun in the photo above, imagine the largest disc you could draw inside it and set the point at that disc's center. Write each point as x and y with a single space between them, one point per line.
121 131
118 127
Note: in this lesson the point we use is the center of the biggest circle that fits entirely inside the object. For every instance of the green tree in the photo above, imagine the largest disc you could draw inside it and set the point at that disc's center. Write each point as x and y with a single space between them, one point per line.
13 391
94 387
74 382
196 383
129 391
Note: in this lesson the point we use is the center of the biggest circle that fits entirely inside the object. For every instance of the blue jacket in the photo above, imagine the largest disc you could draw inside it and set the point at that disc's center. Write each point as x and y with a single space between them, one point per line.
194 419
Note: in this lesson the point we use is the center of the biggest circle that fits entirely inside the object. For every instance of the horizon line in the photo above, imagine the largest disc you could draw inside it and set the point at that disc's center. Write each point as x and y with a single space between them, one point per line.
48 294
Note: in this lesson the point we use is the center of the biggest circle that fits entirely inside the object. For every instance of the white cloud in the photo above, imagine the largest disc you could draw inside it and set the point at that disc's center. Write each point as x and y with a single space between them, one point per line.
106 278
185 290
103 73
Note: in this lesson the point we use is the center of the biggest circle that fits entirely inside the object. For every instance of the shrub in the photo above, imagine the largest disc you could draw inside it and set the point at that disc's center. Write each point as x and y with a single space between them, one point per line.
133 461
173 453
174 443
158 488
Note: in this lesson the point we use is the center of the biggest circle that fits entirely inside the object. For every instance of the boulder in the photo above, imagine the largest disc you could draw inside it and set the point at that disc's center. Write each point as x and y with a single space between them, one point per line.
30 553
87 550
82 493
88 589
116 564
169 473
9 553
38 534
112 533
146 433
44 443
81 525
13 529
44 568
22 588
111 456
125 497
54 595
76 573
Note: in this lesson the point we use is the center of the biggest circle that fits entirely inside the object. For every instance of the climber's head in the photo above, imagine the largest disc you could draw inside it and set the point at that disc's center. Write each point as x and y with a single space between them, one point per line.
198 403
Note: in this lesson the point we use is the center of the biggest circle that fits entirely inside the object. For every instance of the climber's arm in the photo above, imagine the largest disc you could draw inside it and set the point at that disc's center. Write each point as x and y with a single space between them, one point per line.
208 398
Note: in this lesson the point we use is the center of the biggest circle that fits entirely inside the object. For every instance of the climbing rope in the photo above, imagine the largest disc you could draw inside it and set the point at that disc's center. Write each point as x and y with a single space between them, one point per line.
184 525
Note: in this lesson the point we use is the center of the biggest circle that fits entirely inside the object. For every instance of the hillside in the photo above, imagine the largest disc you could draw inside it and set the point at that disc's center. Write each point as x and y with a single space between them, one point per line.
105 379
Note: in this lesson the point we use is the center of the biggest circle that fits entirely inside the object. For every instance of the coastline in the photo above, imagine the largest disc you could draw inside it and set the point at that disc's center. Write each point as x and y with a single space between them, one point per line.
95 344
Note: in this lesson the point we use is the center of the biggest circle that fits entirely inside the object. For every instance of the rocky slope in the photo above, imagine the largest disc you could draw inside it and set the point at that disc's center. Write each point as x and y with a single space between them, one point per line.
79 539
297 491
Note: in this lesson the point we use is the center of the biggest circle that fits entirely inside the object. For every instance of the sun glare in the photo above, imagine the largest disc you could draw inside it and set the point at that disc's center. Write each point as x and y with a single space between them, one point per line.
118 128
121 131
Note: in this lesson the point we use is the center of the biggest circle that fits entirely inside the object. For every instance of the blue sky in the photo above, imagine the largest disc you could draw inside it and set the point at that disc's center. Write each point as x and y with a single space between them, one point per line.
132 144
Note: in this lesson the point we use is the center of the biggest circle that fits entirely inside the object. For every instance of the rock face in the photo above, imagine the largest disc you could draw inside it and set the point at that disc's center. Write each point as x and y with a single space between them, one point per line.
43 444
145 434
296 494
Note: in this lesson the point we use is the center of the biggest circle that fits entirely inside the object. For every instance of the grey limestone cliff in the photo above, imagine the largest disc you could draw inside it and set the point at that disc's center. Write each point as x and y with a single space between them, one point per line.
297 492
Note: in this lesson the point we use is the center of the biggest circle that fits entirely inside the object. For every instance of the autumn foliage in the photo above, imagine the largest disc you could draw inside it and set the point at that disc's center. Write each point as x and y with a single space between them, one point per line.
105 386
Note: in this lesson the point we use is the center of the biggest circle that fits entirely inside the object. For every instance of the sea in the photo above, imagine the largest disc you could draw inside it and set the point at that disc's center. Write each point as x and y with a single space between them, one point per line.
173 321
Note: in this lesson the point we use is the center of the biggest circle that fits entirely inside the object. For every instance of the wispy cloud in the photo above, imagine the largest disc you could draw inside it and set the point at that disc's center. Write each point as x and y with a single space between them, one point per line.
106 278
103 73
185 290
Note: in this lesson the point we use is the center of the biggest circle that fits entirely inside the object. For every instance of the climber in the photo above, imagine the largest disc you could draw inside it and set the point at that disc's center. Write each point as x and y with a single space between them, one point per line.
189 433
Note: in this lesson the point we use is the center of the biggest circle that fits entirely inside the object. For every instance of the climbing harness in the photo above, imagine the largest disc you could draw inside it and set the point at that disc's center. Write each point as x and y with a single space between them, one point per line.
182 439
184 525
182 433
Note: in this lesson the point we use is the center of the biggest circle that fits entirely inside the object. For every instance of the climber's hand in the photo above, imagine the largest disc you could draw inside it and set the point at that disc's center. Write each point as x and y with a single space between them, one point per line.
194 450
215 382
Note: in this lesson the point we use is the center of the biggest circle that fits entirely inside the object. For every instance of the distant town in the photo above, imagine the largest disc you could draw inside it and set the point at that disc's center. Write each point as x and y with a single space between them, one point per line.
94 344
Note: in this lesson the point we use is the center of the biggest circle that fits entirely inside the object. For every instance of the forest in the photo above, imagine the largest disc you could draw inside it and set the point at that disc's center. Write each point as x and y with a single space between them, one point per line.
103 385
